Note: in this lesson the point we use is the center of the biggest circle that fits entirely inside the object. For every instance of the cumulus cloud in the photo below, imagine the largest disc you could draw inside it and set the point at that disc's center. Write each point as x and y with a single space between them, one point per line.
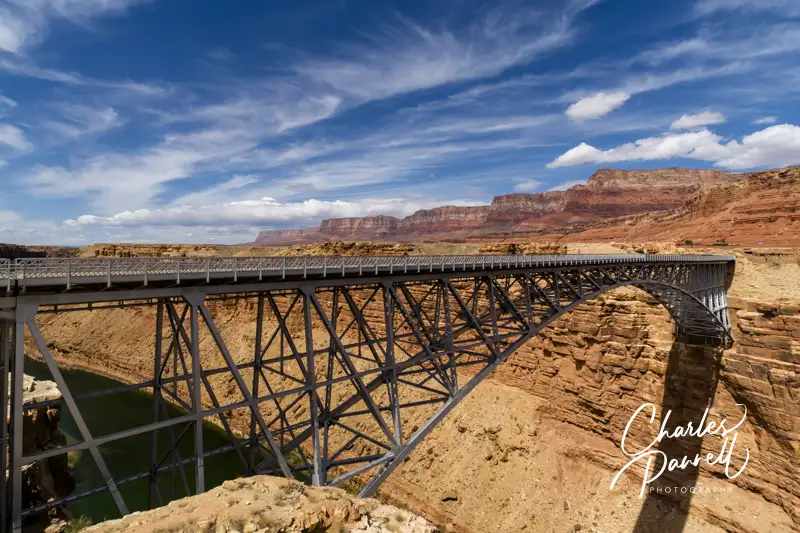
597 105
706 118
774 146
265 211
14 137
765 120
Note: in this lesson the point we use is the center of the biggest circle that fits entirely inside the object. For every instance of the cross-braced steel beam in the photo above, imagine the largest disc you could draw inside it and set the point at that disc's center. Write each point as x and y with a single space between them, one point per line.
345 360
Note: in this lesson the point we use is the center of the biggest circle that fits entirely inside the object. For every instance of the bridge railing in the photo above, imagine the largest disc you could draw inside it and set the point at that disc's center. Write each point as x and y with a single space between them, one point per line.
70 270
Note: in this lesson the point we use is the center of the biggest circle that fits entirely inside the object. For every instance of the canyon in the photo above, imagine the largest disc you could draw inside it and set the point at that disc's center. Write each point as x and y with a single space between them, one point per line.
607 193
538 443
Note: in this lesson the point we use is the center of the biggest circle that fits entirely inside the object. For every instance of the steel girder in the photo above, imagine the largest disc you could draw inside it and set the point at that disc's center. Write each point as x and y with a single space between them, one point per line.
343 380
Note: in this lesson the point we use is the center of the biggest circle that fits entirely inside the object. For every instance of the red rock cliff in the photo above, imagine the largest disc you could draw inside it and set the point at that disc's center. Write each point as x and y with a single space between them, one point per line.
608 193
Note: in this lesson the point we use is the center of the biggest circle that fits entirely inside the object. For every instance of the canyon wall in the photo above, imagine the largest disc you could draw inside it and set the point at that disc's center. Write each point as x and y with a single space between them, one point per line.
49 479
608 193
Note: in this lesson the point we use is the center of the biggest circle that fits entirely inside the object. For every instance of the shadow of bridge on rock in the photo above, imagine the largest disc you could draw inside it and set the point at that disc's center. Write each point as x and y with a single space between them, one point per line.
690 385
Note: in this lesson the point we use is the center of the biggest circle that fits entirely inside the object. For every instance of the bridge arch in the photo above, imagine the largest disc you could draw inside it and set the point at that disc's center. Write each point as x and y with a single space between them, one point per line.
700 317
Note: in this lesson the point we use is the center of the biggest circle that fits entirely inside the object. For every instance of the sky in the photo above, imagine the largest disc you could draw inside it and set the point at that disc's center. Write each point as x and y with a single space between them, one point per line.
207 121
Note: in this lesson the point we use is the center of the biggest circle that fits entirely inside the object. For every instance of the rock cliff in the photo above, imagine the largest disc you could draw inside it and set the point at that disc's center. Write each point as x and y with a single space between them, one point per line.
608 193
665 178
263 504
50 479
761 208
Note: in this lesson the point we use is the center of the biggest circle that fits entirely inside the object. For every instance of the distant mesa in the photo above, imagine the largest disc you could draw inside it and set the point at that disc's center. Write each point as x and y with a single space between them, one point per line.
608 194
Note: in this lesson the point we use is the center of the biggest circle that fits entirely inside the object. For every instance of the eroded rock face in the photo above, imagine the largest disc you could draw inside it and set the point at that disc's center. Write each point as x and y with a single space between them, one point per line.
760 208
608 193
263 504
664 178
50 479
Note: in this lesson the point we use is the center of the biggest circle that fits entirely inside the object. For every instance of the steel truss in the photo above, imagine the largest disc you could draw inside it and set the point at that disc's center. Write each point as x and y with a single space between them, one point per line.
345 376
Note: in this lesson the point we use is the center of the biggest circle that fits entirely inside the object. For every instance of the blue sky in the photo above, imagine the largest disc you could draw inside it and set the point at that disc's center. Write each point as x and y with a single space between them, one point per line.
207 121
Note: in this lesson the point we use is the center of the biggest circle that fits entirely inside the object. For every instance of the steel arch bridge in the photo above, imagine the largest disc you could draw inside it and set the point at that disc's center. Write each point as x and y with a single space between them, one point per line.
344 349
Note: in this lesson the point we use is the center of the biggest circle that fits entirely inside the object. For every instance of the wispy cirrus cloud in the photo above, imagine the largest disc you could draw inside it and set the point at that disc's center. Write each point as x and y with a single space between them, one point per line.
26 23
15 138
411 57
79 120
707 7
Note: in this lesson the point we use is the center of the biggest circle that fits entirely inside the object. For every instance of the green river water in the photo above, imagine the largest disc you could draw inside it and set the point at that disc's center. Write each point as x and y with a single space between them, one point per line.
110 414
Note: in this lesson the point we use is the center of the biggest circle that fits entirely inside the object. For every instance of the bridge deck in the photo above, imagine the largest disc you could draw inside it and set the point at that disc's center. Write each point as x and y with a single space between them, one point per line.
56 275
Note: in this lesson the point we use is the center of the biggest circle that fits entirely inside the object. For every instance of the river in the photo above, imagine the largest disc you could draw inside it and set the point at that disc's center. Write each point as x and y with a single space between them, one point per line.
126 457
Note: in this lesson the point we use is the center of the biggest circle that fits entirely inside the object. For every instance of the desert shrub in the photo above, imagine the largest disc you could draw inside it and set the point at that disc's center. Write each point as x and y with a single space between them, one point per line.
78 524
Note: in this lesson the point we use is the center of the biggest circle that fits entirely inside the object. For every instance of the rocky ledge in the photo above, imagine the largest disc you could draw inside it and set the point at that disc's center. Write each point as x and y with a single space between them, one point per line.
263 504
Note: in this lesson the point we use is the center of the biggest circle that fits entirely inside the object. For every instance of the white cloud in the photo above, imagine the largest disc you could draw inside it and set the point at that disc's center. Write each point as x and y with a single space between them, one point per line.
115 181
3 163
775 146
597 105
765 120
411 57
23 24
566 185
14 137
264 212
218 192
705 118
789 7
8 102
529 185
81 120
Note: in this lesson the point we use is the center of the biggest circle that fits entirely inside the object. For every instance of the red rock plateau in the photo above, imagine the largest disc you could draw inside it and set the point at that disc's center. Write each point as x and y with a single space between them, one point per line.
608 193
763 208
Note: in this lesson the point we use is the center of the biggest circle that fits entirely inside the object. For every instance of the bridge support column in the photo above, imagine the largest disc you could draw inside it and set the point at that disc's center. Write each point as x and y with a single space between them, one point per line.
6 339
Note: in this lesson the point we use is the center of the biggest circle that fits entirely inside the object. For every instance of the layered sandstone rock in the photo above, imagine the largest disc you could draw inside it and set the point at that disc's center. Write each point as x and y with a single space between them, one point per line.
664 178
50 479
443 220
514 208
608 193
263 504
360 228
760 209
